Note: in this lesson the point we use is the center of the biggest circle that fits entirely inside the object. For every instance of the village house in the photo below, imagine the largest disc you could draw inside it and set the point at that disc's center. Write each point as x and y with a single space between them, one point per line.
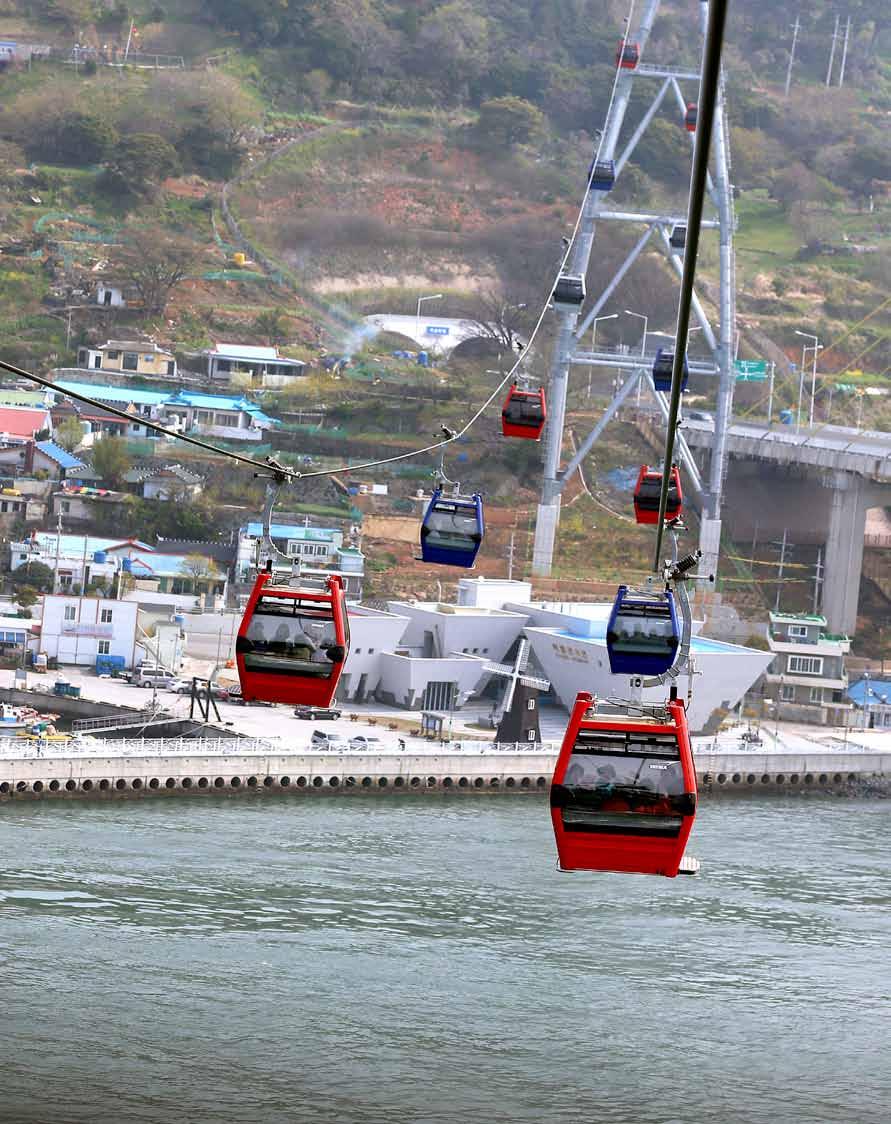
139 357
263 366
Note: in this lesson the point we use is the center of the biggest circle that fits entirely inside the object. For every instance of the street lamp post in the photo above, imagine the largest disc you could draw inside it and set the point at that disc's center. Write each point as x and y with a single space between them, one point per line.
597 319
435 297
816 347
640 316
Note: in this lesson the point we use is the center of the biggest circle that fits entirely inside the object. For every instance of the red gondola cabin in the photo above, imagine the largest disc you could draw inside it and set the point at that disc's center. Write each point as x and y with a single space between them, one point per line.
690 116
623 797
293 642
523 413
648 490
627 55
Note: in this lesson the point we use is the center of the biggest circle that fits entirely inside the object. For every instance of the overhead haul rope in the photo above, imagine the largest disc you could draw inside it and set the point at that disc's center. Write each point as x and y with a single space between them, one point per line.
708 96
288 474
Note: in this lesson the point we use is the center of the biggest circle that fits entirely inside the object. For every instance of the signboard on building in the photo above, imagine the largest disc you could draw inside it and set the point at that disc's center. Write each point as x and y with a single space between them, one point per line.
436 330
750 370
96 631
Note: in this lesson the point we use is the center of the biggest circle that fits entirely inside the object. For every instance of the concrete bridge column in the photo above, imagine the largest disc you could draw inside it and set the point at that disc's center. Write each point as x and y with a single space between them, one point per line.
851 497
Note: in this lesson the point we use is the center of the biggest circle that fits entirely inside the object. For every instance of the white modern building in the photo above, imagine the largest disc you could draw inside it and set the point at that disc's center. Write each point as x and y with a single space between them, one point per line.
75 630
261 366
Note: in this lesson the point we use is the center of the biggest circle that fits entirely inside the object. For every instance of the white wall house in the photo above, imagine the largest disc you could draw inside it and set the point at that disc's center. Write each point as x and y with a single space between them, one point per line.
263 366
315 546
75 630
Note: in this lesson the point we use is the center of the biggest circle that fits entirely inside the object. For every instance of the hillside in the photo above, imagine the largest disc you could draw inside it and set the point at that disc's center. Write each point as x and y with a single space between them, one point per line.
371 156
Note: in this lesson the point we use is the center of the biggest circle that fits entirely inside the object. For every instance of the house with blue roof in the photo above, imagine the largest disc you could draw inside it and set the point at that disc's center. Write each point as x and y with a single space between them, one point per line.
871 697
233 417
315 546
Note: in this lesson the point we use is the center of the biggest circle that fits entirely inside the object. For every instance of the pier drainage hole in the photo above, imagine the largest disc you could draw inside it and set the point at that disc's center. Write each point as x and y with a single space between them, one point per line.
38 786
463 782
837 778
541 782
87 785
494 782
54 786
479 782
120 783
22 786
4 787
203 782
170 783
525 783
301 782
431 782
70 786
447 782
153 783
268 782
350 782
822 778
235 782
765 778
808 778
317 782
793 779
186 782
219 782
399 782
751 778
722 778
736 778
334 782
781 778
285 782
510 783
252 782
416 782
382 782
366 782
852 777
137 783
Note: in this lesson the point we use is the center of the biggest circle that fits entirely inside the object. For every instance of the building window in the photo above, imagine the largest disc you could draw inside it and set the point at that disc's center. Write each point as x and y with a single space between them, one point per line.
65 583
130 362
65 505
530 704
112 355
797 632
816 695
103 647
806 665
371 651
70 612
787 692
227 419
105 616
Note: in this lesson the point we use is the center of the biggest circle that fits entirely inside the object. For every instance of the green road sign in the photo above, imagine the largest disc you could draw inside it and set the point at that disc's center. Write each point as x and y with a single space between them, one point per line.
750 370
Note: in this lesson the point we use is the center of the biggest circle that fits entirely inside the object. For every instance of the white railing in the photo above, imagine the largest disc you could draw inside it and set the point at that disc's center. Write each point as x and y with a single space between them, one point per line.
19 748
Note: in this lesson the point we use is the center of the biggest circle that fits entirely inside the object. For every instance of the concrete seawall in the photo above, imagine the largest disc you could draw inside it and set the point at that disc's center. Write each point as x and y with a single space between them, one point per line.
108 776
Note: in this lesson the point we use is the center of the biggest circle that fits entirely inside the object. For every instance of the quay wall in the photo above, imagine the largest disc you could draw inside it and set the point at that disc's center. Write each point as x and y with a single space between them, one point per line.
124 775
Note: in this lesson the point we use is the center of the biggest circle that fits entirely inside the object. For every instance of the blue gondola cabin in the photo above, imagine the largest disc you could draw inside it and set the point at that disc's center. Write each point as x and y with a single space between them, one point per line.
663 365
642 635
452 529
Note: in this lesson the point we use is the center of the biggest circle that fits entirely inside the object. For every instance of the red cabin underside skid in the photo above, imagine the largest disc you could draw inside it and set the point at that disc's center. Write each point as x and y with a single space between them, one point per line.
620 854
531 433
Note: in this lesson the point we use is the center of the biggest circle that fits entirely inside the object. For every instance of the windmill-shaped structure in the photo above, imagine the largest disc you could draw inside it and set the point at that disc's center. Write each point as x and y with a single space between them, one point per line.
517 715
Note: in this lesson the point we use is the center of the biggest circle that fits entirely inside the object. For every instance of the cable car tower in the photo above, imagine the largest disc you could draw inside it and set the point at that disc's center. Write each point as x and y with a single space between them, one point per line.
669 231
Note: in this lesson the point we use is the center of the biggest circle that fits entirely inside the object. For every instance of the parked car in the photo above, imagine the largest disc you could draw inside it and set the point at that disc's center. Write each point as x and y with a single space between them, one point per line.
367 743
184 687
153 677
332 743
316 713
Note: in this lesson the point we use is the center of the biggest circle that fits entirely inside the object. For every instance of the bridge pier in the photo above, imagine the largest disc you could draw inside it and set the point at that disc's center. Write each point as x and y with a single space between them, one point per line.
851 498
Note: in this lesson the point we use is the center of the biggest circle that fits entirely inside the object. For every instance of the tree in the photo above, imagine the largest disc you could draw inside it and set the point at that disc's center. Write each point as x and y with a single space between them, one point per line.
33 576
140 161
111 460
500 318
504 122
155 261
69 433
271 324
198 569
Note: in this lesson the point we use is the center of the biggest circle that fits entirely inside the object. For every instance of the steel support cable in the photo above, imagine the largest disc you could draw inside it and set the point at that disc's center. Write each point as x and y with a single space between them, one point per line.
708 96
854 327
291 474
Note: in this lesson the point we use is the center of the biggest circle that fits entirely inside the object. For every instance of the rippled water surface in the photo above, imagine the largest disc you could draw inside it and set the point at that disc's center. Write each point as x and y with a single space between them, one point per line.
420 959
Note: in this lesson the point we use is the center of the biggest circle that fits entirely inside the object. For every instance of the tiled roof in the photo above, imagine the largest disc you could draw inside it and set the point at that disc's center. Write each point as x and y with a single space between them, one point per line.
22 421
116 393
879 691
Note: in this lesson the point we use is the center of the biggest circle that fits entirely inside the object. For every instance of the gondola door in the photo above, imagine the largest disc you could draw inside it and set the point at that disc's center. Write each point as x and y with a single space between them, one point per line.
292 642
623 795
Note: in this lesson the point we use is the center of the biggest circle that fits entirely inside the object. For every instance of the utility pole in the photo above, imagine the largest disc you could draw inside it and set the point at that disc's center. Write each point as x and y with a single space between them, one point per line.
795 28
776 607
510 558
832 50
773 368
818 580
844 58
